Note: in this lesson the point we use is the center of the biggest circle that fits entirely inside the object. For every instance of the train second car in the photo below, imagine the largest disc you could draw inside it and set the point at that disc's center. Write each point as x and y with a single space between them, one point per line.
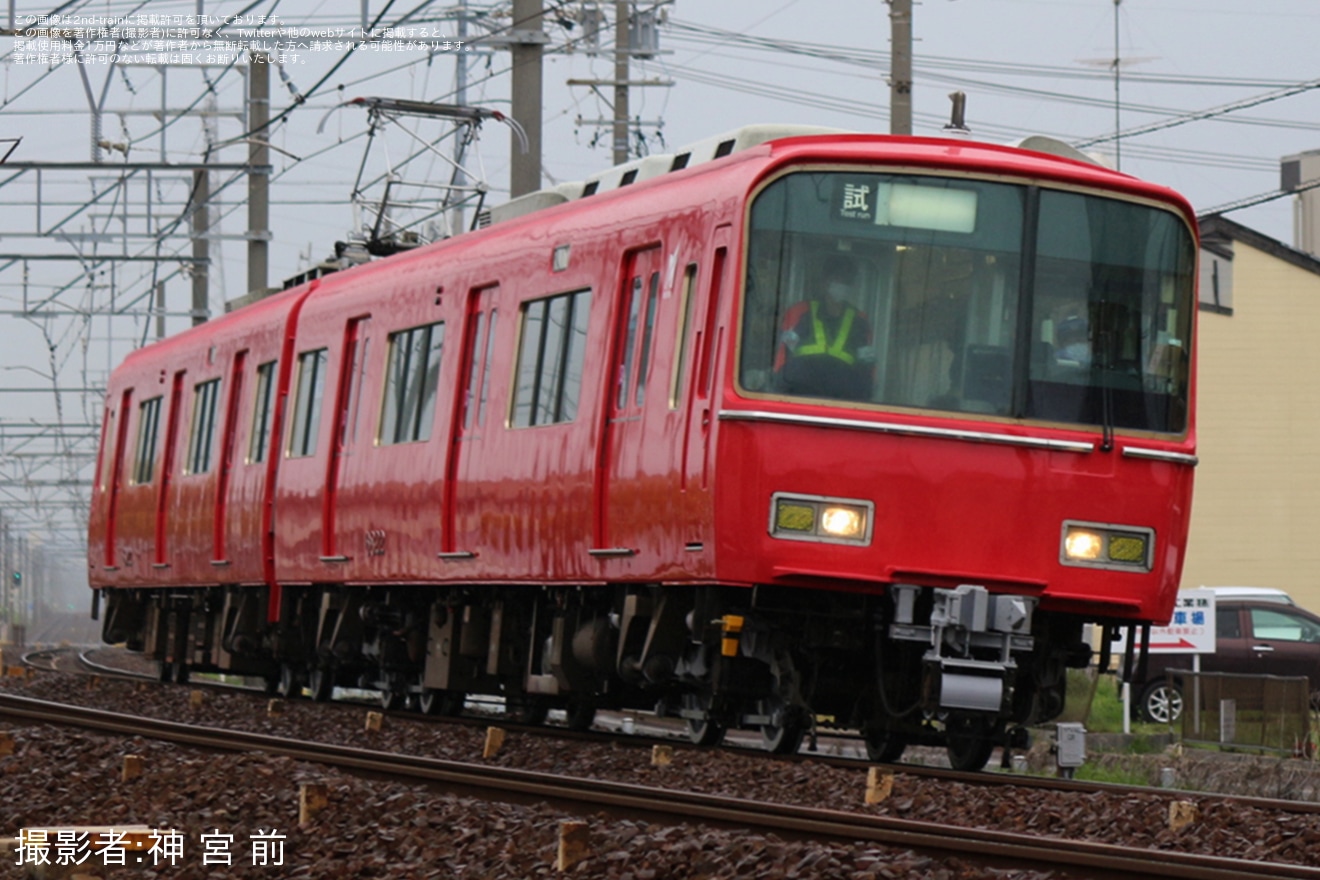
824 430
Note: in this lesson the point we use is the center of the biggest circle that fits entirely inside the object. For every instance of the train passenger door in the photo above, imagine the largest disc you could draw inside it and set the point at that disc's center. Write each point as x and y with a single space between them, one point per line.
111 560
622 507
344 434
220 519
163 497
469 420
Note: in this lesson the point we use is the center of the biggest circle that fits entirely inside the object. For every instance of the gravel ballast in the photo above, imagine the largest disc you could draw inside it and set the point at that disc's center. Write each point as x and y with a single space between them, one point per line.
372 828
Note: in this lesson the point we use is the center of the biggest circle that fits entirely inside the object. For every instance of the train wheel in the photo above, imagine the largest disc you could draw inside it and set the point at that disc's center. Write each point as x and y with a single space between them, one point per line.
437 702
884 746
392 701
703 731
321 682
581 715
783 734
969 742
289 684
527 710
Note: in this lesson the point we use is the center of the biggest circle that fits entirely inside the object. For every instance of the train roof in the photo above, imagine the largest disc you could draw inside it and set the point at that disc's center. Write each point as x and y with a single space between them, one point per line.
1033 155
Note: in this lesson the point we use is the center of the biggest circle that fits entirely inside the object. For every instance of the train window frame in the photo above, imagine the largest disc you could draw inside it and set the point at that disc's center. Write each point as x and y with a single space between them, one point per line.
411 384
201 433
546 390
147 441
990 373
262 410
308 393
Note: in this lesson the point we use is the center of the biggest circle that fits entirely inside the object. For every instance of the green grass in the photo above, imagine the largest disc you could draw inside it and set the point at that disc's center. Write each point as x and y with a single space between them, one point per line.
1096 702
1115 775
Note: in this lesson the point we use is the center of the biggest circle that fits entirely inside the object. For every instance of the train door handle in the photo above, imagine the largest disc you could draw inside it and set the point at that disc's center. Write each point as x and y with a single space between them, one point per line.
1263 649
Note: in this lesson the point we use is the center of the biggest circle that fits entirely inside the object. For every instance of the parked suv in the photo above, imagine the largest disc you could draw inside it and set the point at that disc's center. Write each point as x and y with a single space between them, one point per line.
1258 631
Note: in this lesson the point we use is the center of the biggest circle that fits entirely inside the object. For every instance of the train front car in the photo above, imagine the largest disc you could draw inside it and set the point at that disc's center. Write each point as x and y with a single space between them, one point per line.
958 428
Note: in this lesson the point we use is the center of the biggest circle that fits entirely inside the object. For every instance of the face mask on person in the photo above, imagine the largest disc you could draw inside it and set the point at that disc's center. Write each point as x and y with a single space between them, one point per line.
837 291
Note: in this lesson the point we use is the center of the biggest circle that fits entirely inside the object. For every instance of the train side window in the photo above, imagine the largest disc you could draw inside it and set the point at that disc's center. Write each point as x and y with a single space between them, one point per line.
202 434
644 359
575 349
684 328
485 368
144 456
261 415
107 431
307 402
412 380
550 357
625 371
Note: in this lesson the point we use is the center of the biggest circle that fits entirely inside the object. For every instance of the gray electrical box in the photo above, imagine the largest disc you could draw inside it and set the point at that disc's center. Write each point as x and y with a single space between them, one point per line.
1070 744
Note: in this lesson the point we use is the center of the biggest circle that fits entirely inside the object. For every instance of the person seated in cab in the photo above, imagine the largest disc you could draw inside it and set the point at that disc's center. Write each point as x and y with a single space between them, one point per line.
825 342
1072 342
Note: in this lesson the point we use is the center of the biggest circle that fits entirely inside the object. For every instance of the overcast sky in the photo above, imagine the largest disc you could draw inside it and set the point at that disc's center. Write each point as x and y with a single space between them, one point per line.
1027 66
1045 66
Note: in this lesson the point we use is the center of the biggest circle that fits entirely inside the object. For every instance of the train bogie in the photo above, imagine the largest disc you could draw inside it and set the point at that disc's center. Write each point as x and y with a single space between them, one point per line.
794 439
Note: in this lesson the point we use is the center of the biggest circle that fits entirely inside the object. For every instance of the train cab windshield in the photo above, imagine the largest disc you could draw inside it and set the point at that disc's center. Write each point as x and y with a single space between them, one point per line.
968 296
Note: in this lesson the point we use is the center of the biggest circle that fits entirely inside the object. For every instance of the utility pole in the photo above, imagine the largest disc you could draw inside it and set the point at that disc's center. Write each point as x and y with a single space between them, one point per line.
1118 129
201 249
258 231
900 67
527 38
460 97
160 309
622 68
636 35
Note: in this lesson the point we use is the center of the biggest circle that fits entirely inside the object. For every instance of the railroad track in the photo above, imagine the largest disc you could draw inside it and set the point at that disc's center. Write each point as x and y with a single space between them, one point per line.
44 659
652 731
1080 858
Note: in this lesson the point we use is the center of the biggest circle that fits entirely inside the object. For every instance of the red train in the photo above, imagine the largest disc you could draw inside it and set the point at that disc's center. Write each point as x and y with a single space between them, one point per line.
830 430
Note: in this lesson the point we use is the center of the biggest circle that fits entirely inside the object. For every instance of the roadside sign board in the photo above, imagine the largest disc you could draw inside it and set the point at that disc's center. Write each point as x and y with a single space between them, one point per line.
1190 631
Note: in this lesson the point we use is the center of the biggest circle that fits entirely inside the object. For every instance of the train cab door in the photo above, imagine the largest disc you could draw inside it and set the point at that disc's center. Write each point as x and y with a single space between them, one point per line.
624 509
347 401
707 340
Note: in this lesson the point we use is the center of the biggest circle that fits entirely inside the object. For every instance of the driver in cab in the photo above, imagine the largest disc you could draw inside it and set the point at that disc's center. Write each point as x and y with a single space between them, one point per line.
825 342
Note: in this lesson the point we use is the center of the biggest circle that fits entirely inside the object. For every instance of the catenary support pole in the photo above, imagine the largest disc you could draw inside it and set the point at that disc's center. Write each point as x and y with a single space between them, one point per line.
528 37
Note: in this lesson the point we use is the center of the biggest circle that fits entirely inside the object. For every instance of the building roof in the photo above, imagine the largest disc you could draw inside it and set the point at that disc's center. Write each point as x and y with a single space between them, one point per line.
1218 232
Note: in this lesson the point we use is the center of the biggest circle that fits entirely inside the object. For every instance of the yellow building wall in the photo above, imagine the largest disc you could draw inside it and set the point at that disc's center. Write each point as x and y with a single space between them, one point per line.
1256 506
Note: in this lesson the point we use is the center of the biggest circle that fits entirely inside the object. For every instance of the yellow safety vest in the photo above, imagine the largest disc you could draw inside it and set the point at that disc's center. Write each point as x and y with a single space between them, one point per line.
822 345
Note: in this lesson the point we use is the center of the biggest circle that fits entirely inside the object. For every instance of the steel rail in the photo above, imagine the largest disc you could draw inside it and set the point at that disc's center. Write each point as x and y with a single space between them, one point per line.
676 739
683 806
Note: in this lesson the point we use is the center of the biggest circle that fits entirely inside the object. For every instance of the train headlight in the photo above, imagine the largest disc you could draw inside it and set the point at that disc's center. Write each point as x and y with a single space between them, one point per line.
817 518
1104 545
1083 544
843 522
